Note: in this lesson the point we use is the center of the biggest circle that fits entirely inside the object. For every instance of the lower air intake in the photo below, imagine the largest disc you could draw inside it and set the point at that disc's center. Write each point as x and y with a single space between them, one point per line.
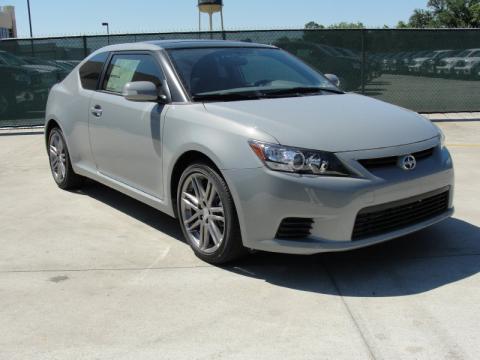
295 228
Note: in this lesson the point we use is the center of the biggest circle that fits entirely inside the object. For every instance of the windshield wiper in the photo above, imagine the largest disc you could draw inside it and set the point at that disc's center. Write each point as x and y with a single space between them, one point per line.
226 96
302 91
254 95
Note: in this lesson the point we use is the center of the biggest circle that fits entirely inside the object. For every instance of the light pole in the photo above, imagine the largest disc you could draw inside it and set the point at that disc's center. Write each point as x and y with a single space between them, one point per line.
108 31
30 18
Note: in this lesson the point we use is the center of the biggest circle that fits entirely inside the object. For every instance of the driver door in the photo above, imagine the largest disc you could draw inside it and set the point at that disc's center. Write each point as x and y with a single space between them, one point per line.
125 135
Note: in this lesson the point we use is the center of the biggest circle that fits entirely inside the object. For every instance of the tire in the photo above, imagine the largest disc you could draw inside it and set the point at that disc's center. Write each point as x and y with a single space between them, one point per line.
60 164
202 198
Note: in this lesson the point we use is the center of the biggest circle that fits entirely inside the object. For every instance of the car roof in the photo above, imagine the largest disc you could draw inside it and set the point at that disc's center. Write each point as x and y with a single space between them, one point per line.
181 44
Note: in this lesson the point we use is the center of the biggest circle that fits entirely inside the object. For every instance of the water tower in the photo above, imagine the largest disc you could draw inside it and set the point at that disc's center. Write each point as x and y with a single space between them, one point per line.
209 7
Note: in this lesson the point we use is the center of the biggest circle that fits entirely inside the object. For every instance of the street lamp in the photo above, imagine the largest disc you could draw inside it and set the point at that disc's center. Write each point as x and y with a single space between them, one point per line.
30 18
108 27
108 31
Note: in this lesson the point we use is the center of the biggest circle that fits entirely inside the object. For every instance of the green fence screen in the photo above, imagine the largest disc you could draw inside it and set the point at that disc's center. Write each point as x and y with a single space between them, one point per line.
423 70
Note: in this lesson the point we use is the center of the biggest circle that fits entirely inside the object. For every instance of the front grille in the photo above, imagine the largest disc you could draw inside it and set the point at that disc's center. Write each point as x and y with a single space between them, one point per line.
382 219
295 228
392 160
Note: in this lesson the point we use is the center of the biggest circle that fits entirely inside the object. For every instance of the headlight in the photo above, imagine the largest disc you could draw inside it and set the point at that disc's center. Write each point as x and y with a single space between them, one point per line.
300 161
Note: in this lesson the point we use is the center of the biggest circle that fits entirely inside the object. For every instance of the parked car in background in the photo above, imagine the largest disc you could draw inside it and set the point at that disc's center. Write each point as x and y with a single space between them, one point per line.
29 84
327 60
249 147
67 64
15 94
392 63
427 64
446 66
59 69
469 68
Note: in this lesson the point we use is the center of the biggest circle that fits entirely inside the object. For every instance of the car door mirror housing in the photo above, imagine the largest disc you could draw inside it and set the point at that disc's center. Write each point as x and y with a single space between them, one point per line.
333 79
144 91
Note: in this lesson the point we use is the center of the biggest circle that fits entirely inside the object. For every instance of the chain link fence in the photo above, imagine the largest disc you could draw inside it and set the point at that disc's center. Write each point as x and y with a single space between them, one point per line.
423 70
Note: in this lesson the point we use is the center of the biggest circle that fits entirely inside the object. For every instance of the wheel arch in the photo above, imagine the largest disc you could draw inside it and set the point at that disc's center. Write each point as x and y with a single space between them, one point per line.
49 125
182 162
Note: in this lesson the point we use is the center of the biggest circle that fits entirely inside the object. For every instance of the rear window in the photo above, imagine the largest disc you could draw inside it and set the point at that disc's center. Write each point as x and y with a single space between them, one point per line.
90 71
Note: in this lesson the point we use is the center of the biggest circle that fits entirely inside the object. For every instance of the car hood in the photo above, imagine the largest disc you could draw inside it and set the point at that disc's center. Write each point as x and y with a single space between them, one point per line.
421 59
333 123
472 60
453 59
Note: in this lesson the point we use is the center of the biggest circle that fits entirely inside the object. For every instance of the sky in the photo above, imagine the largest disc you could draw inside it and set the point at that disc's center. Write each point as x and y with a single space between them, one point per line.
78 17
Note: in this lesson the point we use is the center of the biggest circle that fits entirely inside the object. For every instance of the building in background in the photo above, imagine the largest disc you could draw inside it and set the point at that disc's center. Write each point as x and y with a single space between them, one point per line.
8 24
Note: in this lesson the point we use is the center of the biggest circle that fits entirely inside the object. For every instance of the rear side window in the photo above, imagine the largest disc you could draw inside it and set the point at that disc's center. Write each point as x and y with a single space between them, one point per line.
90 71
126 68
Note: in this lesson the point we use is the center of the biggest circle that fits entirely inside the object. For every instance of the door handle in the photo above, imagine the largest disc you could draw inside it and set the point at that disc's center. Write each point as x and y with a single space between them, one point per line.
97 111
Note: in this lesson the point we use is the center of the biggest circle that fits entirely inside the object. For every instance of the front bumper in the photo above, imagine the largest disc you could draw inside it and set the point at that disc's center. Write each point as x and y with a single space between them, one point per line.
464 71
444 70
264 198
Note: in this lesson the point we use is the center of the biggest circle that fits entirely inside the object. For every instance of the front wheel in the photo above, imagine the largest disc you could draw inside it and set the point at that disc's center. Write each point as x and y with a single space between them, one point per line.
207 215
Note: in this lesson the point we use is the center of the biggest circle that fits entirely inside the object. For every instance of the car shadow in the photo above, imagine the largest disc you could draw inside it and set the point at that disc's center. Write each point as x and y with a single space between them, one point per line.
420 262
131 207
442 254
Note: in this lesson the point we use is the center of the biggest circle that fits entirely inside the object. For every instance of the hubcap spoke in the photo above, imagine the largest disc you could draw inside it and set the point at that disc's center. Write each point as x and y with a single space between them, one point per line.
215 233
190 201
54 162
211 195
204 237
62 169
53 151
216 210
193 222
194 225
198 188
217 218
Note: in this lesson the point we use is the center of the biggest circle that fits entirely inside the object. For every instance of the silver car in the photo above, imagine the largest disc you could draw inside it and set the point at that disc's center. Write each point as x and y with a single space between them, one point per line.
248 147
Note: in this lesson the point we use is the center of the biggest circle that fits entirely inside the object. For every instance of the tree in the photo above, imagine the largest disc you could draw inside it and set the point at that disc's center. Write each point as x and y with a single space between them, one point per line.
312 25
447 14
422 19
347 25
342 25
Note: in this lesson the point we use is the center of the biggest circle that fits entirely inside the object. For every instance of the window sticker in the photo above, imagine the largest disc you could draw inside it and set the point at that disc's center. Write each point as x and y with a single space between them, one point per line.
122 72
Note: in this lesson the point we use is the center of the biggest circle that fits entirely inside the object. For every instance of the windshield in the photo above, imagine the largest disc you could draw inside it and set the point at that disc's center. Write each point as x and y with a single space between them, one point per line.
207 71
464 53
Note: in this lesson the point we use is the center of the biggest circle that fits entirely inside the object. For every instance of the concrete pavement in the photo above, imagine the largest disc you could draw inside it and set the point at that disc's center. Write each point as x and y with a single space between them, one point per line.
96 275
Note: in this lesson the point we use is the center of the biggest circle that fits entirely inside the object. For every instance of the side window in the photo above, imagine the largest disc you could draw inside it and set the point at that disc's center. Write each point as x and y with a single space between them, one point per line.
125 68
90 71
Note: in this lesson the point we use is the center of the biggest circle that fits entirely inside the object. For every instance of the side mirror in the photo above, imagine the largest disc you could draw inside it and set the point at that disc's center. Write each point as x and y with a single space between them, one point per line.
144 91
333 79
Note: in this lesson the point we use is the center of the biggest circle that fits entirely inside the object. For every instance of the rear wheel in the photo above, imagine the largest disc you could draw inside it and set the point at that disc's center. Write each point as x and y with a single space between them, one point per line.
60 163
207 215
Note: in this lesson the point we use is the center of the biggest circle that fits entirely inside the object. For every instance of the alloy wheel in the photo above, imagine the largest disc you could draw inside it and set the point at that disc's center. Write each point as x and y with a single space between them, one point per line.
202 213
58 157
